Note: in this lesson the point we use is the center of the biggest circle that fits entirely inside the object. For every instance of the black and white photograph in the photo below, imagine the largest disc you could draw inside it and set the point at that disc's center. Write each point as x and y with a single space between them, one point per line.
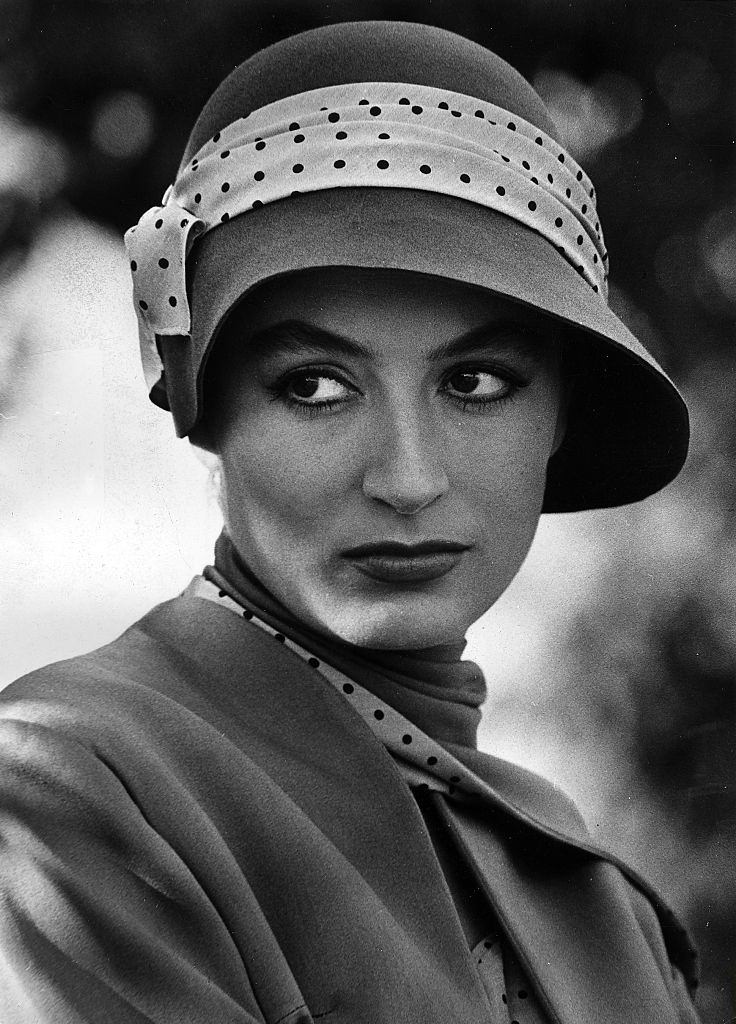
367 512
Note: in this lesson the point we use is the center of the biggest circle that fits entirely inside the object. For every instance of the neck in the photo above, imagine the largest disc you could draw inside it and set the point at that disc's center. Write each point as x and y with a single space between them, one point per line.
432 687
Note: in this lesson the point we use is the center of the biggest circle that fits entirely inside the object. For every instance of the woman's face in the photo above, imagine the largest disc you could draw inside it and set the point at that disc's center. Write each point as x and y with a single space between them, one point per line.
383 439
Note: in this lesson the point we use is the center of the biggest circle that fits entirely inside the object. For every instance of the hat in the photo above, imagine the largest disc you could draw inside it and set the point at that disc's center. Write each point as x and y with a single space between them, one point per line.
403 146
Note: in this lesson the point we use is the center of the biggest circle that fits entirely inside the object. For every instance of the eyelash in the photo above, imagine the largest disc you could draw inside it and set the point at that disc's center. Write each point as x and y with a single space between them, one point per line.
280 390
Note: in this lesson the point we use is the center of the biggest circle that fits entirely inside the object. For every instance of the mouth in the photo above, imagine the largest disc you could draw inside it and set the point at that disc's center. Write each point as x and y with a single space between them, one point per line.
394 562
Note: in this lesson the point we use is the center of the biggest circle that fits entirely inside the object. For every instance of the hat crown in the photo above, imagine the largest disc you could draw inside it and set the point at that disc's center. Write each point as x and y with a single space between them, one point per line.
368 51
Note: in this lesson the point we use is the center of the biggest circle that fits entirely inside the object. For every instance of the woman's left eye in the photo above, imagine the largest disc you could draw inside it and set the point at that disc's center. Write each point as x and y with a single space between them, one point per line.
476 386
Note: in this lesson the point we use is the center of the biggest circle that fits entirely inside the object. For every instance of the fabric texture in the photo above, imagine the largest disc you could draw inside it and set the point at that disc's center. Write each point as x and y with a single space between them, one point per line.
404 136
197 826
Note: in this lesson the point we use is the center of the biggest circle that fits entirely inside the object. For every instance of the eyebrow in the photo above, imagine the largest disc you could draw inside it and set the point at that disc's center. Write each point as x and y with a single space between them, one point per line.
297 335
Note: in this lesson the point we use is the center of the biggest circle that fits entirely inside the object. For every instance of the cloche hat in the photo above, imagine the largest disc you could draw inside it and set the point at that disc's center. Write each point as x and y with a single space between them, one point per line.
394 145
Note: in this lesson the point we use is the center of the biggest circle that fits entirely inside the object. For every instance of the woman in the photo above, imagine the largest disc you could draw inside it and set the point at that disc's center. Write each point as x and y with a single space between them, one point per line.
376 292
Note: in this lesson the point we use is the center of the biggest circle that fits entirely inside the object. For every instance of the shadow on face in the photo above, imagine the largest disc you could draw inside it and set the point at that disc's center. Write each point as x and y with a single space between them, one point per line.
383 439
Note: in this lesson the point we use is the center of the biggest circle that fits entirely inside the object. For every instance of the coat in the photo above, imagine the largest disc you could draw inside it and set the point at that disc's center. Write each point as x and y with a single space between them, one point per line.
196 828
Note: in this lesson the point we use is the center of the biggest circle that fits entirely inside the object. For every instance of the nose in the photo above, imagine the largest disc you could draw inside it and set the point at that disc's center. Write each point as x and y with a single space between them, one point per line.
405 468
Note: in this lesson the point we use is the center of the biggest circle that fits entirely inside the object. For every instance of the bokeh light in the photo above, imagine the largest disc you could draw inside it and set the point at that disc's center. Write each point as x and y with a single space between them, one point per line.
123 124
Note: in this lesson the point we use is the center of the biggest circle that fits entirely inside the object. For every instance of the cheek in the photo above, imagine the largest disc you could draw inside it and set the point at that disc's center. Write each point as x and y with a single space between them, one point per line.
280 480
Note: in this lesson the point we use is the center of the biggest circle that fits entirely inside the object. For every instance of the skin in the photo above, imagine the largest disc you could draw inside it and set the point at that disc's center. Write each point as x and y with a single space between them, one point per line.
417 443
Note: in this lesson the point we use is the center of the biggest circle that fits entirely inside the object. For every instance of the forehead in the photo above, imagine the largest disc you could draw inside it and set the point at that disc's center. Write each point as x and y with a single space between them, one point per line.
368 304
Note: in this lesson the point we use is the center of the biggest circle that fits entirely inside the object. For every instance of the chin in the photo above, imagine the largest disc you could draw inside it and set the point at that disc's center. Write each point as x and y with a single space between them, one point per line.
401 622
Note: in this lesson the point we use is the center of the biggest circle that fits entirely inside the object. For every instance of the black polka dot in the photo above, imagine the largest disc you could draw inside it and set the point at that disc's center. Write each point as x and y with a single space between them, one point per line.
568 193
280 637
297 168
298 138
525 165
511 126
425 169
579 175
579 239
197 197
374 111
333 117
225 187
163 263
456 113
293 127
348 688
323 108
225 218
584 208
195 163
296 192
501 190
432 760
378 715
595 257
597 226
184 223
465 178
595 287
479 113
314 662
225 154
256 203
133 266
384 135
505 159
592 193
363 103
443 105
339 164
416 110
221 593
488 944
535 180
550 179
561 158
247 615
382 164
558 222
259 176
503 998
142 304
159 223
260 144
406 738
538 140
341 135
216 137
405 102
532 205
172 300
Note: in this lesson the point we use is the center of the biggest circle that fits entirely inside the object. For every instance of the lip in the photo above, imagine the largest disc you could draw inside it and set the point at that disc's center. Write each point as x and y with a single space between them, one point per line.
395 562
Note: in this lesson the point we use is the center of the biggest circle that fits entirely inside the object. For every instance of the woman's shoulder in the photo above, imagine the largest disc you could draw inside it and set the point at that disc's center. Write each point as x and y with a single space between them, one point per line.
173 662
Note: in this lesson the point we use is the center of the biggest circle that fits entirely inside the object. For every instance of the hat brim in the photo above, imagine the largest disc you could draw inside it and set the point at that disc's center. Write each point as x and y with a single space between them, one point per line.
628 429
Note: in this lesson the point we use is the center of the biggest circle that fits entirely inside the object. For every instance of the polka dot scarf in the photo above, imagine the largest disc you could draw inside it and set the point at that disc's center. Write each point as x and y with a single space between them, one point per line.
374 134
424 764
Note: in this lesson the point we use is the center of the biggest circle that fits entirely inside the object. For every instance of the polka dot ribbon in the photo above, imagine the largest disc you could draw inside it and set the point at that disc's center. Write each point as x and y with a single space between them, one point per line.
421 760
423 764
374 134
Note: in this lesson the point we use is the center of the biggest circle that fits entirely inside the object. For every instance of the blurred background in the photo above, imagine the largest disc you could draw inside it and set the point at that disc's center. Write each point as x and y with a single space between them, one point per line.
611 661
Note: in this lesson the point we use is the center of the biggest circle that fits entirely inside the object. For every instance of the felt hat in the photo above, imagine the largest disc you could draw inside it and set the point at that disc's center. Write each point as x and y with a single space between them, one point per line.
473 186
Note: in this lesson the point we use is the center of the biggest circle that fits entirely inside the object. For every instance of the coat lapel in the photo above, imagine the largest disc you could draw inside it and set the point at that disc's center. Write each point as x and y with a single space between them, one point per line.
569 920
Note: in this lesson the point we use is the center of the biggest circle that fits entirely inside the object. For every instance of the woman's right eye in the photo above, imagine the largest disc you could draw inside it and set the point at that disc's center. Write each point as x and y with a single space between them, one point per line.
315 389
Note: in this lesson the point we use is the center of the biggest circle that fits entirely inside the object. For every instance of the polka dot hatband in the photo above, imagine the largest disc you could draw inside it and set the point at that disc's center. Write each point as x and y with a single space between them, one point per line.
375 135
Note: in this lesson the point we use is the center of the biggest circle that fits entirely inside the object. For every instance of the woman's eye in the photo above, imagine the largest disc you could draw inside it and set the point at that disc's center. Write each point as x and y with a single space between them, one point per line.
316 388
480 384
